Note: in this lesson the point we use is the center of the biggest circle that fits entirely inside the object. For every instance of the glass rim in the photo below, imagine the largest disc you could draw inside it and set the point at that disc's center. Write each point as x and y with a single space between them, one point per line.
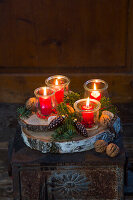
54 77
91 100
96 80
37 89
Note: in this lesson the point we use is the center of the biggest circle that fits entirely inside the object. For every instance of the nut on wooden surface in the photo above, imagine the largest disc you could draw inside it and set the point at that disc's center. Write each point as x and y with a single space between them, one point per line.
31 103
100 146
105 120
112 150
110 114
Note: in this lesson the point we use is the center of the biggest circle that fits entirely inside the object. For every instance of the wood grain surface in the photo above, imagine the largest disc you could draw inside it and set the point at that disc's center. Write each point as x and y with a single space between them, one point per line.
17 88
82 39
67 33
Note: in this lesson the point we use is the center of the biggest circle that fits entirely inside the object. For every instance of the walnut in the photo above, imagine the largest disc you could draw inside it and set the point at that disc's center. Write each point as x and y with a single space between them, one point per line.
100 146
110 114
106 118
31 103
112 150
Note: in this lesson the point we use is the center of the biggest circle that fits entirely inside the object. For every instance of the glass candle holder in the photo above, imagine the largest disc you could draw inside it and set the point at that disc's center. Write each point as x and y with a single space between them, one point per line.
95 89
46 101
60 84
87 111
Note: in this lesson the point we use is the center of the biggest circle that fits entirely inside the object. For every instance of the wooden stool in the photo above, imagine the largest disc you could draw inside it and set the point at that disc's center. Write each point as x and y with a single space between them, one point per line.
86 175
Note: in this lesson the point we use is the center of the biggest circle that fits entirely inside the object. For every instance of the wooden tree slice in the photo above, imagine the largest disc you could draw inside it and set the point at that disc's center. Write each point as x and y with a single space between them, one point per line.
42 140
34 123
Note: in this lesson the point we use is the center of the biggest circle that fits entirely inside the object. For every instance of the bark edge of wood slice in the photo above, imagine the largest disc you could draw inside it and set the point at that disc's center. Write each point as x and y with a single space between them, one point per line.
34 123
45 145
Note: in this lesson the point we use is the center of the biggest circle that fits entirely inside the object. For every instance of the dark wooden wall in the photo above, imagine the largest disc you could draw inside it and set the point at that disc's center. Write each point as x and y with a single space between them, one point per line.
82 39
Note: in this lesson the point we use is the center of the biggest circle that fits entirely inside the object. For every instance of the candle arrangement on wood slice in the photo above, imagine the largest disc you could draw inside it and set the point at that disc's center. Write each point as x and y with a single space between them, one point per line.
59 117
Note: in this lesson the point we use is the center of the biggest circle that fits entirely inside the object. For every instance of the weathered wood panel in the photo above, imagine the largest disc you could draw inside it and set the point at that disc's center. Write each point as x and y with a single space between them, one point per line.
6 37
69 36
129 60
17 88
59 184
24 34
50 33
81 33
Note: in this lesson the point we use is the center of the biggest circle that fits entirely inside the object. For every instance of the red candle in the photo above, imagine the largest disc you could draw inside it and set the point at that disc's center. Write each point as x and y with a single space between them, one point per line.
95 94
88 117
59 94
45 104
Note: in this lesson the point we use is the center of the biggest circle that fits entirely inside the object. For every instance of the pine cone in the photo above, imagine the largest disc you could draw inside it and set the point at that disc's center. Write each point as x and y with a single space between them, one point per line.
80 128
56 122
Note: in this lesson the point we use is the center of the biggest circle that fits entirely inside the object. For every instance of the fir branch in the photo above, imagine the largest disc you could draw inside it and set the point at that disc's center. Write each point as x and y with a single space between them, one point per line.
62 109
23 112
71 97
67 130
107 105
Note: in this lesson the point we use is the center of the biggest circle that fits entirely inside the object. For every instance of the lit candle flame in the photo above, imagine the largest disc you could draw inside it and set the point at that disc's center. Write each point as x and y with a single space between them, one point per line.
95 88
45 91
95 94
88 102
56 82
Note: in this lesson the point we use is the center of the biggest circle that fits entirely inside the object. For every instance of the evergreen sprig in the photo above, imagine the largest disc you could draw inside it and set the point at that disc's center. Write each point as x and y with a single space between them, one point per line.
67 130
62 109
23 112
107 105
71 97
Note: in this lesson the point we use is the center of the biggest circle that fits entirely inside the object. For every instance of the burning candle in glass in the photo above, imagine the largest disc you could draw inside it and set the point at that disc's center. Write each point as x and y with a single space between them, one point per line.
88 112
59 94
45 97
95 89
95 94
60 84
88 117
